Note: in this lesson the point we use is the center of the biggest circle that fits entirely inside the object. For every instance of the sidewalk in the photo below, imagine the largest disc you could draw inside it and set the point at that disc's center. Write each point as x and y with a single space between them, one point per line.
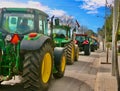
104 80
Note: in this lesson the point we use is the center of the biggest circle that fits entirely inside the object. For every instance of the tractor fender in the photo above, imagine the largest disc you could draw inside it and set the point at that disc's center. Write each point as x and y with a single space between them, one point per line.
30 45
58 52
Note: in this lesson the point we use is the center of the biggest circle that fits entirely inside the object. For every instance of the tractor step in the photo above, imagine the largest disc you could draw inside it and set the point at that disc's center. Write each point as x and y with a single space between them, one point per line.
4 78
1 78
12 81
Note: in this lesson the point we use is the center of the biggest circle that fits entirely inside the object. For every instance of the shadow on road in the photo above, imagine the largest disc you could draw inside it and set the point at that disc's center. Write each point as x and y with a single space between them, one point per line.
93 54
69 84
78 65
17 87
63 84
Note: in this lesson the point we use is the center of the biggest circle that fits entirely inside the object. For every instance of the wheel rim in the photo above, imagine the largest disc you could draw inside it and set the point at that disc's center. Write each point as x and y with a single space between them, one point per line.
72 54
46 67
63 63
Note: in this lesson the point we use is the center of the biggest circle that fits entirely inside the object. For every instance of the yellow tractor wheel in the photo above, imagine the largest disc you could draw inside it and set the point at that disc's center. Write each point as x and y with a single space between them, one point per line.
60 62
70 52
37 68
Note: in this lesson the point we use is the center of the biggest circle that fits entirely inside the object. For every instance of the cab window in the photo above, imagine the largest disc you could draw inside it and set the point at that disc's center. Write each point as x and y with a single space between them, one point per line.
42 24
18 23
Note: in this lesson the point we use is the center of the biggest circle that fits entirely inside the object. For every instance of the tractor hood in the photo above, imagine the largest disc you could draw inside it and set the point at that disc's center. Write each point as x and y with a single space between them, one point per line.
32 36
61 41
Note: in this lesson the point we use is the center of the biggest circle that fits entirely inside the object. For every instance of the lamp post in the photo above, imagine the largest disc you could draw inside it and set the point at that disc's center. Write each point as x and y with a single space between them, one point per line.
114 34
115 68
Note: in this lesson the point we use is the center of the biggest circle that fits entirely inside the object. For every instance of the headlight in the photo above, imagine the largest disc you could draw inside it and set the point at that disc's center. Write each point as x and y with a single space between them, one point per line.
8 38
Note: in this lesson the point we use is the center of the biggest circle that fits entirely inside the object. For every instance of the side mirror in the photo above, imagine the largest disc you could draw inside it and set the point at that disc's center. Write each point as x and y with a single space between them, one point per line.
57 22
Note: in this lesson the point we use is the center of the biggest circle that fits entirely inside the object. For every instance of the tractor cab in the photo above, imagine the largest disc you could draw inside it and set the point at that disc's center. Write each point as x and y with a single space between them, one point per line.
59 33
22 21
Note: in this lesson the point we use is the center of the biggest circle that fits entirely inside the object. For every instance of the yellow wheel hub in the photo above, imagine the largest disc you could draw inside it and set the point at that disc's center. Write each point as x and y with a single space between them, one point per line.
63 63
46 67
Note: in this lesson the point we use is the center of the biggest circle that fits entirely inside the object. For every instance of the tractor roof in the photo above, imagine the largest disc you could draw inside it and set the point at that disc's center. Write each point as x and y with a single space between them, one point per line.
24 10
81 34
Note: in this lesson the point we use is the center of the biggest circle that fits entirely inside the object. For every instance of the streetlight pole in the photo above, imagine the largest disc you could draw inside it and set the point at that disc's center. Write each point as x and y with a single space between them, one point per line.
115 68
114 34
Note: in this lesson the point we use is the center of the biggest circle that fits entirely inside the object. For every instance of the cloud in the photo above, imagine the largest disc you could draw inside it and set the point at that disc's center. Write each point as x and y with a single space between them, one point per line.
57 12
92 5
38 5
29 4
92 12
32 4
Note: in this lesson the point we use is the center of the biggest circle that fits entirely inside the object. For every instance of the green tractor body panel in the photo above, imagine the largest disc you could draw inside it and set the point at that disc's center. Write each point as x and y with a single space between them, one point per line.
61 42
27 37
9 58
29 44
61 36
1 41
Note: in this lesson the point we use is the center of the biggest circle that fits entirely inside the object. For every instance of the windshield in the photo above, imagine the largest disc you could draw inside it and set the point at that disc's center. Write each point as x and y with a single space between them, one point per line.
81 38
18 23
59 33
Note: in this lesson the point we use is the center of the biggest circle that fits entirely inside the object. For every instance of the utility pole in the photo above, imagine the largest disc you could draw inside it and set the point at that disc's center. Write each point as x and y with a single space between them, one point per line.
115 69
114 33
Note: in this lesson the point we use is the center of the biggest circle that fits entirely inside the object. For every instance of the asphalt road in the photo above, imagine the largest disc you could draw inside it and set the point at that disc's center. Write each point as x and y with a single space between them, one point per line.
78 77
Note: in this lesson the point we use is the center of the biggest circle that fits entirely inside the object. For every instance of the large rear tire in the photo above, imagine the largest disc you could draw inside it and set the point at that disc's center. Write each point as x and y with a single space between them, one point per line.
92 48
37 68
70 50
60 67
87 49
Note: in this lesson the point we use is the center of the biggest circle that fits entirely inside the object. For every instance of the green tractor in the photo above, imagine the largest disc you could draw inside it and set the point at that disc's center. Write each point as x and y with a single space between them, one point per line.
26 50
62 38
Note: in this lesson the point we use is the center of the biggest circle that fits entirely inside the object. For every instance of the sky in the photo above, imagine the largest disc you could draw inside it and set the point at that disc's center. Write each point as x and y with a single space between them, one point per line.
89 13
